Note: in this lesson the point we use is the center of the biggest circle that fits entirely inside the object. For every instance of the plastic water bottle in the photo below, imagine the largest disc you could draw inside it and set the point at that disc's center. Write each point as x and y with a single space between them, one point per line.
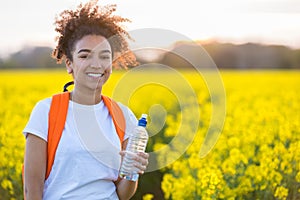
137 142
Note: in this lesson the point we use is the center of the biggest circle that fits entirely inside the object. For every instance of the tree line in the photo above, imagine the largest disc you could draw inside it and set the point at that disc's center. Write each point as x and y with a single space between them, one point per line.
182 55
231 56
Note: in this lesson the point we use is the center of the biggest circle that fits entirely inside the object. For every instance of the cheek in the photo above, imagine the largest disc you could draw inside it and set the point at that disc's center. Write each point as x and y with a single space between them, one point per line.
109 68
106 76
107 65
80 66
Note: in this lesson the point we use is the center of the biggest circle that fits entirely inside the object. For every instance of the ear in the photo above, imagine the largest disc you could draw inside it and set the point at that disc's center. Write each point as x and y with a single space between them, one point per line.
69 66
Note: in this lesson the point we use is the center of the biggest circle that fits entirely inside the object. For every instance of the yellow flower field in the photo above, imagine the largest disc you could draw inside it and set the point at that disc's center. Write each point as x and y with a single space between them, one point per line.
257 155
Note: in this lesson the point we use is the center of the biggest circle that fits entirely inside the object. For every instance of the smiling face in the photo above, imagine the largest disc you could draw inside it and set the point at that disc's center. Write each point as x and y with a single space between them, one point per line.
92 63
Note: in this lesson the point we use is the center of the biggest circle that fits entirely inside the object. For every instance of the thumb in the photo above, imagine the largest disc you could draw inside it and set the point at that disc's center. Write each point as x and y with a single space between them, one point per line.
122 153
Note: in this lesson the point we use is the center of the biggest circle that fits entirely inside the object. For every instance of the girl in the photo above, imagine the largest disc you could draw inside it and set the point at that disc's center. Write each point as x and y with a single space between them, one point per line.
87 158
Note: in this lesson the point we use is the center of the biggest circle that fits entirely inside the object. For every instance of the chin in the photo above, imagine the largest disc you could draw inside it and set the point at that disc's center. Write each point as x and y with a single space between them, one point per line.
95 87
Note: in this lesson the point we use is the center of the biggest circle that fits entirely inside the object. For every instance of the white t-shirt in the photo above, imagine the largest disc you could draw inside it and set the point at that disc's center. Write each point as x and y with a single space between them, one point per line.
87 158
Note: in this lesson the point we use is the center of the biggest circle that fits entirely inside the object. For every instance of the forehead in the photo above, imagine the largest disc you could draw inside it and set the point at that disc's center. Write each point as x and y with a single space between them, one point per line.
93 43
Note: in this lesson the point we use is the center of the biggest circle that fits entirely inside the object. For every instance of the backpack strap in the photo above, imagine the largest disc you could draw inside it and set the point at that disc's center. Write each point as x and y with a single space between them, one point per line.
57 118
117 116
56 123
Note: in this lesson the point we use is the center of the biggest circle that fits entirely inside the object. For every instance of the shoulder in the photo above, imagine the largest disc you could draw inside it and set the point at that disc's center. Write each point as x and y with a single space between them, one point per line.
43 105
130 118
123 107
128 114
40 110
38 121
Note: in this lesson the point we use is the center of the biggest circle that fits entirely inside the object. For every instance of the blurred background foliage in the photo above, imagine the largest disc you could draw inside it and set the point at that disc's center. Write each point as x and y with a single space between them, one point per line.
225 55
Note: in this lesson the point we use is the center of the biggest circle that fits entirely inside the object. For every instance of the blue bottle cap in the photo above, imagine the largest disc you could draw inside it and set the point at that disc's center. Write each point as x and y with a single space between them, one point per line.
143 120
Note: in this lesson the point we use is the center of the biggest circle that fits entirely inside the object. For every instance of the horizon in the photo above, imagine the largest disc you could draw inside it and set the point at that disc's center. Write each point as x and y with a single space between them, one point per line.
266 22
198 42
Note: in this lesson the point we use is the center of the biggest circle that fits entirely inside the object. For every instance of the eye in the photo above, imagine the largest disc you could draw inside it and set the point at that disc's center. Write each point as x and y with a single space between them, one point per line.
83 56
104 57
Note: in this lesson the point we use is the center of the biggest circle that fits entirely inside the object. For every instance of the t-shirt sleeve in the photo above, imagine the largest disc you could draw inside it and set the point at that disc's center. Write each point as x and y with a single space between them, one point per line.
38 121
131 120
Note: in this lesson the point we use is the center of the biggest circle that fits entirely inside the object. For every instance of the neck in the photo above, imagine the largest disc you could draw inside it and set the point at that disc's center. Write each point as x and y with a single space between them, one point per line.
86 98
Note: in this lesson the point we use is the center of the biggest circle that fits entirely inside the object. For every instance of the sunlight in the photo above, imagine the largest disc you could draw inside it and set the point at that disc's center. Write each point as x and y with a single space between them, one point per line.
267 21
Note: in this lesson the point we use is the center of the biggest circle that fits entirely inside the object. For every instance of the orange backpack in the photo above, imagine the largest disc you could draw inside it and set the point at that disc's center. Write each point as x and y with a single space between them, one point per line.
57 118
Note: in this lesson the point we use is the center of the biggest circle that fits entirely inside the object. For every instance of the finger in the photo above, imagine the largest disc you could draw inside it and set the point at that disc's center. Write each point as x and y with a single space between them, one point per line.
122 153
141 172
143 154
140 168
144 162
141 160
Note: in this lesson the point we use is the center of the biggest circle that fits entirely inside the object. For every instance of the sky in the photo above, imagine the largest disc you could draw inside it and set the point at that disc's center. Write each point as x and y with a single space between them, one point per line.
30 22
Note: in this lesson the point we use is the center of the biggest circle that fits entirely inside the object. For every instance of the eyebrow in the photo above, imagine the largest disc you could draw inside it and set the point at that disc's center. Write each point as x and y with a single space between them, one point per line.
89 51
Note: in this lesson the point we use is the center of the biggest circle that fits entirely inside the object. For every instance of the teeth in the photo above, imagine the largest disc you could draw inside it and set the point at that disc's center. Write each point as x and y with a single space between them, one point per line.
96 75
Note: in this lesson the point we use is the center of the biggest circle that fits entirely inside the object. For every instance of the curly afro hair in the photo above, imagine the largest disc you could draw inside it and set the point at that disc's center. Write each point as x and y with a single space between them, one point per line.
91 19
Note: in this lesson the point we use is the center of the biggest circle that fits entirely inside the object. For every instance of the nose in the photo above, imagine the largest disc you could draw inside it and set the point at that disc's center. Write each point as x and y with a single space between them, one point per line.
100 66
97 65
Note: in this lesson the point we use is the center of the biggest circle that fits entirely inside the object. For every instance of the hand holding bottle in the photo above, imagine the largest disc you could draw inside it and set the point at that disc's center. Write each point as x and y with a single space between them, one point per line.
135 160
140 161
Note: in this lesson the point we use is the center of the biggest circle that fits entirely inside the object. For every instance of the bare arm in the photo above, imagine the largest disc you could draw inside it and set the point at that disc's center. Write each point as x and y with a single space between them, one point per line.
126 188
35 167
